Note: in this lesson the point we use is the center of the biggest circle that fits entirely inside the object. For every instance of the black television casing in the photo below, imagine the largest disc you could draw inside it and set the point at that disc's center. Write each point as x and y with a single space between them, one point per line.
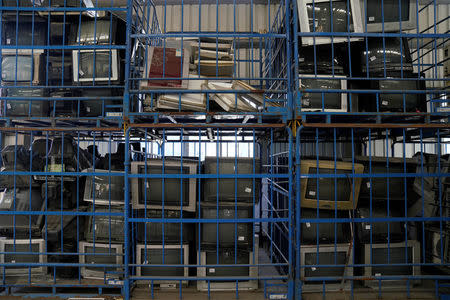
241 189
326 230
230 234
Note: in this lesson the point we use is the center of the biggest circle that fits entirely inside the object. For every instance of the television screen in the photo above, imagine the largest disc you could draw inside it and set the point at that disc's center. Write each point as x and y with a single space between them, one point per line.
150 192
325 258
22 258
105 228
21 226
104 189
322 59
394 53
228 257
327 101
99 104
25 32
319 16
17 68
408 102
154 256
153 192
326 231
152 232
229 233
107 256
104 63
231 190
378 186
21 108
380 229
334 188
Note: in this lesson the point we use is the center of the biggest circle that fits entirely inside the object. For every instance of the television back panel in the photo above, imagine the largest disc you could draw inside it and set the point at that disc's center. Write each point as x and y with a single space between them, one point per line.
438 247
340 192
101 254
27 253
23 30
160 255
154 192
230 234
402 255
312 257
391 54
324 233
152 232
227 189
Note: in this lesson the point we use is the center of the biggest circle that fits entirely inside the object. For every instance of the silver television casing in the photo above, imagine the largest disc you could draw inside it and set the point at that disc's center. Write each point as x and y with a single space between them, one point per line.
167 281
88 194
310 287
85 273
344 95
411 24
24 271
193 167
202 285
320 40
415 245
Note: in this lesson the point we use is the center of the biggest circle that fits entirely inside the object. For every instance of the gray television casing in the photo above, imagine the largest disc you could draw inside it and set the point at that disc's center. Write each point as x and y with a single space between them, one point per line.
164 281
415 246
157 162
85 273
41 270
348 272
344 95
252 284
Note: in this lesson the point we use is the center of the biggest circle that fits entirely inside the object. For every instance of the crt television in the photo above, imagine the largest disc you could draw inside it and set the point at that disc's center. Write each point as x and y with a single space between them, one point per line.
155 192
106 227
23 67
438 245
313 233
412 97
104 189
401 255
230 234
318 101
378 187
230 189
391 54
389 15
152 232
157 254
101 31
24 31
101 65
323 59
25 107
100 103
330 192
23 251
338 16
379 231
21 200
95 254
336 259
228 257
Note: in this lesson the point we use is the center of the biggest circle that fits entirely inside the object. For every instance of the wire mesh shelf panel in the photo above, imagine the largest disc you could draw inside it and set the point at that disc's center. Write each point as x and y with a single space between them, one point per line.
212 58
64 61
375 61
205 202
372 211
